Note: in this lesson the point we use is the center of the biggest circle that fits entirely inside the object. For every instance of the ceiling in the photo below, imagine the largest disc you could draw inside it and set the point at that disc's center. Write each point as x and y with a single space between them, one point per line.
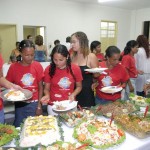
123 4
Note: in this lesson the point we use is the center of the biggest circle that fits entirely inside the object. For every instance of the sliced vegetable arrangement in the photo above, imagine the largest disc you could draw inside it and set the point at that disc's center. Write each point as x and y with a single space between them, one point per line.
60 145
71 119
7 133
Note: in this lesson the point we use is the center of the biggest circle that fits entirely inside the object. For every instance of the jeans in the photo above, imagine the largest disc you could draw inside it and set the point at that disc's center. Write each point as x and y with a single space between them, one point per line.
127 90
102 101
24 110
2 116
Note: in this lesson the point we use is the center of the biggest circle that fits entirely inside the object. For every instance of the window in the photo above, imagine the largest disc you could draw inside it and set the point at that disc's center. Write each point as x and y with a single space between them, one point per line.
108 34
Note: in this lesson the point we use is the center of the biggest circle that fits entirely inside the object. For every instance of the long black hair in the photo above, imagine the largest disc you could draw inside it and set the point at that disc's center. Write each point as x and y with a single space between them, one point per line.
130 44
61 49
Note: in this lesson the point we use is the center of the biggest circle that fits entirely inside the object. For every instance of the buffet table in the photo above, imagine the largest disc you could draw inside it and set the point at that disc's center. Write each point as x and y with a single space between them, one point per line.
131 142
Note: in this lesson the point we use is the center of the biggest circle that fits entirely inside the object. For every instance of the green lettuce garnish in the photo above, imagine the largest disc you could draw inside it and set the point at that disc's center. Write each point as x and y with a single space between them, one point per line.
92 129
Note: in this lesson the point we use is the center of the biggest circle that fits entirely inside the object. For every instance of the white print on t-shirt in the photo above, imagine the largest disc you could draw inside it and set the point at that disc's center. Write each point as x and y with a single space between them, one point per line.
57 95
64 83
107 81
27 79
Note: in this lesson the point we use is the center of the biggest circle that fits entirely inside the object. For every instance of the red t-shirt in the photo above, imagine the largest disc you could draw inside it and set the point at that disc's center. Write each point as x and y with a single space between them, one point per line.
129 62
114 77
62 82
1 65
27 77
100 57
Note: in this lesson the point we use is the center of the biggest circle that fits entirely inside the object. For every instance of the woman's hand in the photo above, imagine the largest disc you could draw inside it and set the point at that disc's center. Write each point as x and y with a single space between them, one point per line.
140 72
131 88
71 97
94 85
39 111
45 99
16 87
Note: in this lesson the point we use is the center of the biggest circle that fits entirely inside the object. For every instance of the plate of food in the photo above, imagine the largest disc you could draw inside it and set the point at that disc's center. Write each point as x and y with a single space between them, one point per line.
95 70
65 105
16 95
111 89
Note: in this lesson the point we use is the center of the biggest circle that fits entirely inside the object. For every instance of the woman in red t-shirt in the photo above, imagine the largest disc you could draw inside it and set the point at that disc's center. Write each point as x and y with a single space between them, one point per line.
96 49
63 80
28 74
128 61
115 75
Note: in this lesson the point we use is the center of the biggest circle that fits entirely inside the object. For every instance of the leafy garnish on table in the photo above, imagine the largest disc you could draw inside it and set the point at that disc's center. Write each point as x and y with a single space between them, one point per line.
7 133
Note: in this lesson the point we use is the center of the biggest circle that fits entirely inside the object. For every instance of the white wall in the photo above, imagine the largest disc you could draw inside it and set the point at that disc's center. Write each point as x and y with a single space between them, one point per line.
62 18
138 17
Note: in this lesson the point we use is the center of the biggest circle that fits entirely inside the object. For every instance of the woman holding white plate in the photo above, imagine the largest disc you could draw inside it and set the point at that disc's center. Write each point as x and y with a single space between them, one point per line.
63 80
114 78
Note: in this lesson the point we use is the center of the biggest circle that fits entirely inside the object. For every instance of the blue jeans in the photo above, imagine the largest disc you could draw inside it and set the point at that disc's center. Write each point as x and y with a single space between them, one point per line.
24 110
2 116
102 101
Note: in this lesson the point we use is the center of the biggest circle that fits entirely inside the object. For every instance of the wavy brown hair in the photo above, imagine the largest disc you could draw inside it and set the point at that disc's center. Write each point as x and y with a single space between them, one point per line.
143 42
84 43
39 40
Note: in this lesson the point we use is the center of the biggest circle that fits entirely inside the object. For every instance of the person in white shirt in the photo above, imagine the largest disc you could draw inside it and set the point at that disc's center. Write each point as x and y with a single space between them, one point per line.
143 62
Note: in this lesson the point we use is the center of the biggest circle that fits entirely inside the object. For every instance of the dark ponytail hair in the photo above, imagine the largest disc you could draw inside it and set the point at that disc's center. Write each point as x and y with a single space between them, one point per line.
130 44
61 49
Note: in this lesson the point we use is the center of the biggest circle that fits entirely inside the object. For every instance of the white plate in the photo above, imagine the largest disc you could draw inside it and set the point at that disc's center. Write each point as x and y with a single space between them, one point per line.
148 80
95 70
28 94
111 89
66 103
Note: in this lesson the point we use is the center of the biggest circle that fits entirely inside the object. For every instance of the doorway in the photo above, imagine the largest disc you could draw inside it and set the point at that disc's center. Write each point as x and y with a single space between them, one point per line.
8 38
34 31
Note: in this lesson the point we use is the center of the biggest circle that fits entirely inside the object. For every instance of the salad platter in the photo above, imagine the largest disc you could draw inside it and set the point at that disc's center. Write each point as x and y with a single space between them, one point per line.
99 134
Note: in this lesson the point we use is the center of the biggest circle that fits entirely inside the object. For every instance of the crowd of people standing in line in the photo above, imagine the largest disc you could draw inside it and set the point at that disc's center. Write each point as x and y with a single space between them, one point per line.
65 77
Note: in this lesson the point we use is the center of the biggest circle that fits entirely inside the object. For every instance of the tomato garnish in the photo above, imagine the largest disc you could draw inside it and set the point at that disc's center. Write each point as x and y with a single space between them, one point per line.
120 132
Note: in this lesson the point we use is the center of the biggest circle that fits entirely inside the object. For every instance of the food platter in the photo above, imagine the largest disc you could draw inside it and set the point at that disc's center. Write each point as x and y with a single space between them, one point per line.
61 106
111 89
135 124
98 133
95 70
116 108
72 118
16 95
139 100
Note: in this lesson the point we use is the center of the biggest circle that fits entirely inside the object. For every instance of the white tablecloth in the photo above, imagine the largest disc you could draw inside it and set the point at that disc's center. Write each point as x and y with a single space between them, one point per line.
131 142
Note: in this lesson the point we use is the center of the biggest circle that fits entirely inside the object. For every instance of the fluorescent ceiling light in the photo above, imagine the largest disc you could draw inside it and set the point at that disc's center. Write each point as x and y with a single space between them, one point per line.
103 1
